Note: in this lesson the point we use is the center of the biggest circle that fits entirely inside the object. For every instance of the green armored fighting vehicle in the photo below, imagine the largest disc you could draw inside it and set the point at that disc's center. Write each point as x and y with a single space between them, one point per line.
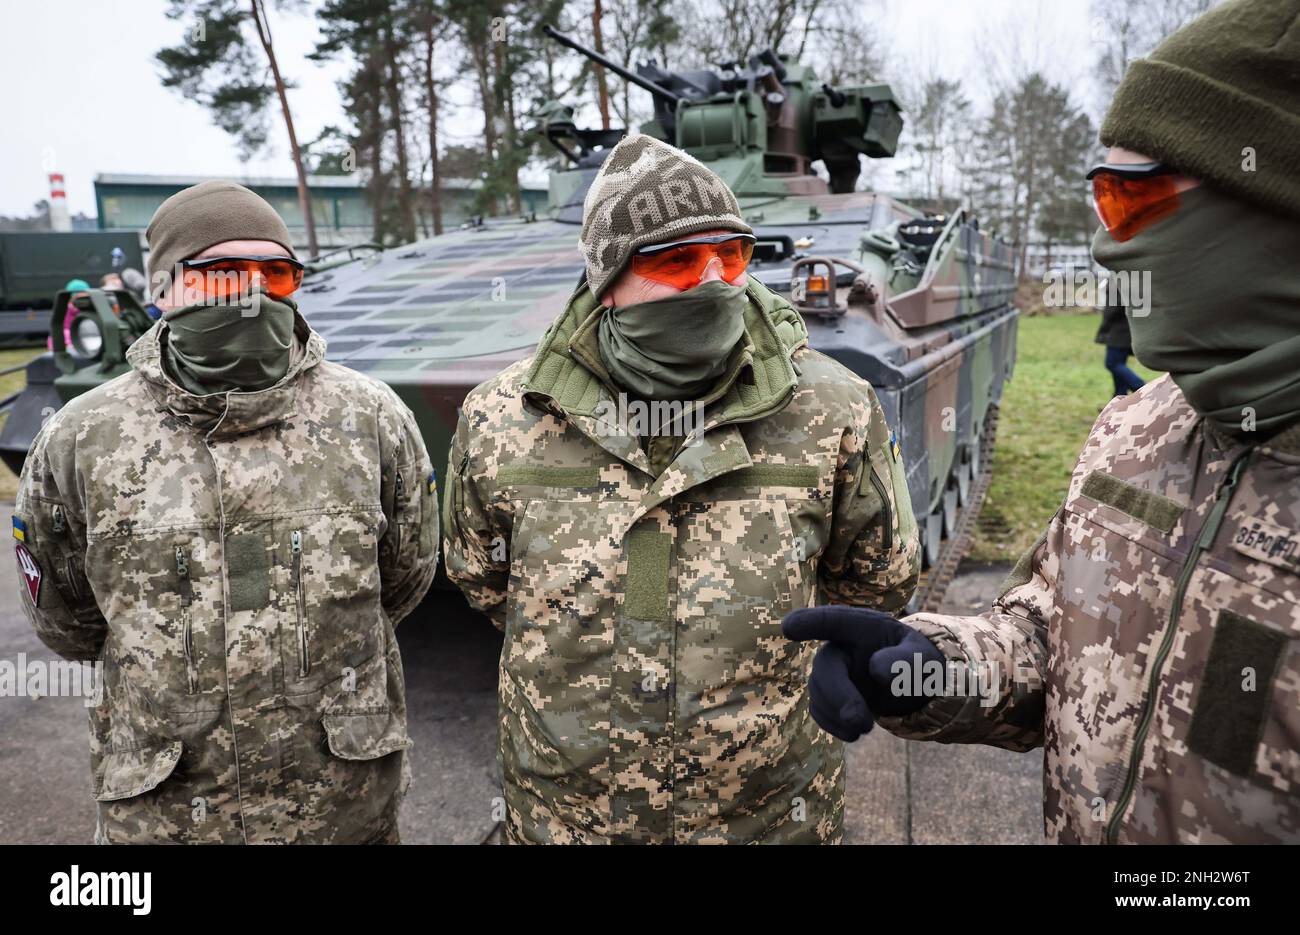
920 306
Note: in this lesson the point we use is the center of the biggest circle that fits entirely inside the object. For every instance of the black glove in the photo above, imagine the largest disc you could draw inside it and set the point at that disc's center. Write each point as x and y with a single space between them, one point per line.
851 675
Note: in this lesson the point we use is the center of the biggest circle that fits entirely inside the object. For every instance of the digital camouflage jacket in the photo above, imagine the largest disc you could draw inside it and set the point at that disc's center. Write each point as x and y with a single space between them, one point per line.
646 691
1149 640
237 563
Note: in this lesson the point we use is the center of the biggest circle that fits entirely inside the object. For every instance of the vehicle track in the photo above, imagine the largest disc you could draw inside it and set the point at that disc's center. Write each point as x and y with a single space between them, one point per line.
936 578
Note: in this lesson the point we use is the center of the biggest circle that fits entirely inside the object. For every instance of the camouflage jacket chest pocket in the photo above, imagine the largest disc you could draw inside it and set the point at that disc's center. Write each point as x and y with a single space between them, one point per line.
742 565
724 571
327 588
415 513
1114 588
299 594
161 593
1118 532
565 564
1246 713
1111 507
1237 619
764 527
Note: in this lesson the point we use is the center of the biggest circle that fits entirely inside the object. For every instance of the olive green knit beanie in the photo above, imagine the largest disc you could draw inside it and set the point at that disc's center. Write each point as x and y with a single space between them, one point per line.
1220 101
203 215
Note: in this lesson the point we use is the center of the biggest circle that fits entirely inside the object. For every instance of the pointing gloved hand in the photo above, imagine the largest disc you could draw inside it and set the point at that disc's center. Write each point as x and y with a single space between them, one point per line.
852 674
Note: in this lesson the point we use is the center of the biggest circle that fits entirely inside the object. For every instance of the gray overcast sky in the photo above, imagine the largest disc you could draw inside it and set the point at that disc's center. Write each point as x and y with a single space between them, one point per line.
81 92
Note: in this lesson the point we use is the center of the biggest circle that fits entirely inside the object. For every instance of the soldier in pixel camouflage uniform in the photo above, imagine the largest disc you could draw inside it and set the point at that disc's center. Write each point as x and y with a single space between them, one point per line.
1150 640
233 529
641 572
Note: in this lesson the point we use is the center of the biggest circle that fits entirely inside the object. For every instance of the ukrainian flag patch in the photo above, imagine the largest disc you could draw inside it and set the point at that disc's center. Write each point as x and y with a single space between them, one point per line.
432 482
894 448
20 530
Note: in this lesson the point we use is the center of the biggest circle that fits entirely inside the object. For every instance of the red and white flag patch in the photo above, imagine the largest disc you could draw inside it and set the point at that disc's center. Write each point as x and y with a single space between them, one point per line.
30 571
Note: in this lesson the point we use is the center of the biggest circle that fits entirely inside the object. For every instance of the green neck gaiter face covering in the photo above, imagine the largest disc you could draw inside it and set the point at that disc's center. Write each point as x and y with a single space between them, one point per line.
676 347
1224 312
216 349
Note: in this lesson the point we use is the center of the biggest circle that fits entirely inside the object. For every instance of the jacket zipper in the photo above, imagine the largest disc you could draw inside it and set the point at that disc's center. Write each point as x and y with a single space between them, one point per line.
458 492
186 588
1203 542
295 546
59 527
888 538
399 506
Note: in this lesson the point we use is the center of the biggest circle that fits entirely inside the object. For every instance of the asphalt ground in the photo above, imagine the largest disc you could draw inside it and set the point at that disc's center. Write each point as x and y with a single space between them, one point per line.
898 791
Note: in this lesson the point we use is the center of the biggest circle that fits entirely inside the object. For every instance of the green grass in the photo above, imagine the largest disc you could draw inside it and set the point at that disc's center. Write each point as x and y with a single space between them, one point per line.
11 383
1058 389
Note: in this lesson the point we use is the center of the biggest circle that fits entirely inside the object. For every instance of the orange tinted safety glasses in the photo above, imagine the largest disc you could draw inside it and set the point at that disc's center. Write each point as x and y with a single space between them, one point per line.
221 276
681 263
1131 197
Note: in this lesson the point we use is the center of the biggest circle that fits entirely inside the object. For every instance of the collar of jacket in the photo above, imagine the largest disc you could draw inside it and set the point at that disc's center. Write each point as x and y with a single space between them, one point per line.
1287 440
559 382
1284 441
225 414
566 373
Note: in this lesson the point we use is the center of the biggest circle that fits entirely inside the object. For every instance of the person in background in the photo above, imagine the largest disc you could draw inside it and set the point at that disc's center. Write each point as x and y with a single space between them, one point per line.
1114 334
134 281
78 288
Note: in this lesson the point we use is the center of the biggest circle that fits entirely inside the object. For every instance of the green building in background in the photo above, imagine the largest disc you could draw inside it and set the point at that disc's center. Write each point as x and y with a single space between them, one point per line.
339 203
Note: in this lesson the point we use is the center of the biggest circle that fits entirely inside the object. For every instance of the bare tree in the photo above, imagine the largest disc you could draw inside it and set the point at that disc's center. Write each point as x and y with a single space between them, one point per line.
636 30
216 67
839 40
1128 29
1028 150
429 21
602 86
937 133
733 30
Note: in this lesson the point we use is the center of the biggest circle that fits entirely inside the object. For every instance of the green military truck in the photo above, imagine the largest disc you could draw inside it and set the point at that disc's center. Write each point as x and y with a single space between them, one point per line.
34 265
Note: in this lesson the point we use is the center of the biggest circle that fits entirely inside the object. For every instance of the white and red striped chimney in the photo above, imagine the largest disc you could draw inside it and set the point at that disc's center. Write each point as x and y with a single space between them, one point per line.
59 219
